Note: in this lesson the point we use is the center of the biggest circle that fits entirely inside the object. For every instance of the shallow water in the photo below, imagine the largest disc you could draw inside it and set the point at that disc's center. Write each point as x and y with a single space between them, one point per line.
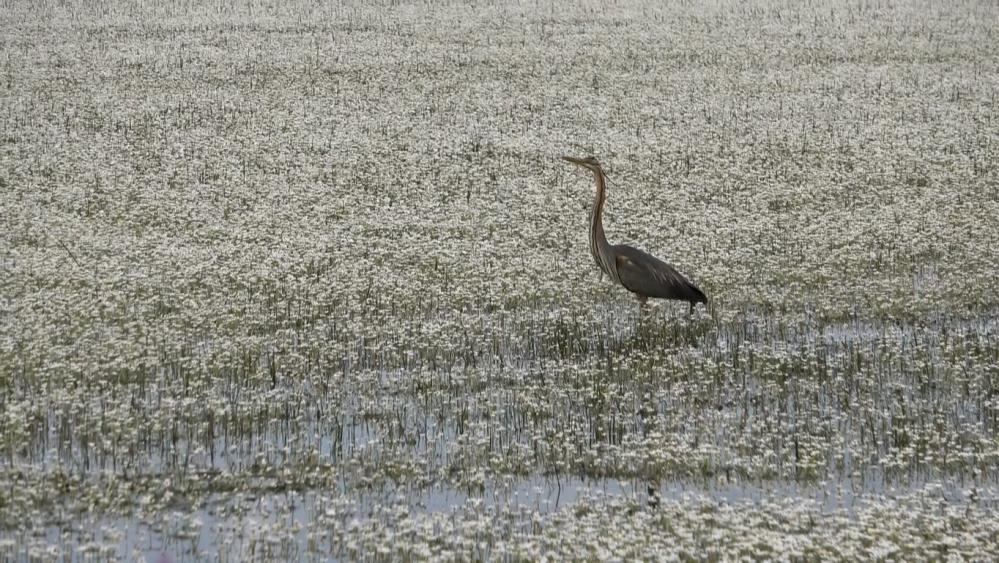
310 282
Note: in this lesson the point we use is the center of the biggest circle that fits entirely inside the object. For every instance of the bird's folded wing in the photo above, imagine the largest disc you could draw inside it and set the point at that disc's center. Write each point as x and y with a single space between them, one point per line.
645 274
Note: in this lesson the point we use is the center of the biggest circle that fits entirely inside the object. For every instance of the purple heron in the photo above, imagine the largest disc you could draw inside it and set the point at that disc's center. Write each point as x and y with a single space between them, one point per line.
638 271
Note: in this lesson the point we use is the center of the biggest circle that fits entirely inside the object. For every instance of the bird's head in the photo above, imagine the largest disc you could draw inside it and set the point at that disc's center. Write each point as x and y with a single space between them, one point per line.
588 162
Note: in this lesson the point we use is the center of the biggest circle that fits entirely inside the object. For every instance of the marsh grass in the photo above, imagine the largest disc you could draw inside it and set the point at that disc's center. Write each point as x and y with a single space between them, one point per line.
291 281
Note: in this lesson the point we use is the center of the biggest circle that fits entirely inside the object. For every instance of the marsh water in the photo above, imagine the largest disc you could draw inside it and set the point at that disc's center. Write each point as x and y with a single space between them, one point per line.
302 281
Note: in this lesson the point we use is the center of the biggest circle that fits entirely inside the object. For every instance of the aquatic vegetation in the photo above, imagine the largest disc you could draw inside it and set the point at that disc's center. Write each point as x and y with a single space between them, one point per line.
298 281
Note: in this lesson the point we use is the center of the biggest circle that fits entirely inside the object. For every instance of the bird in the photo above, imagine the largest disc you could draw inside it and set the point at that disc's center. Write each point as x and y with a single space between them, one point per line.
638 271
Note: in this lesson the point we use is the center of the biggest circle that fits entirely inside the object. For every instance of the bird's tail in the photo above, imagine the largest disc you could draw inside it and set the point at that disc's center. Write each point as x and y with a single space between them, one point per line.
699 296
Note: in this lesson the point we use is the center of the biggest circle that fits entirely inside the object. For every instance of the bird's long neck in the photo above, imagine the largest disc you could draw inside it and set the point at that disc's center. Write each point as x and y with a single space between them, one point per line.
598 240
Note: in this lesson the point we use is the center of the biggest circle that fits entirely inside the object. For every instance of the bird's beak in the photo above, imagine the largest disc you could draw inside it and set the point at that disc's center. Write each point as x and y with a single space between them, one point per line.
578 161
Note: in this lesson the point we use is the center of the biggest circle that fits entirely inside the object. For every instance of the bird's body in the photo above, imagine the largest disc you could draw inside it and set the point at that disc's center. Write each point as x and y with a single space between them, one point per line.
638 271
647 276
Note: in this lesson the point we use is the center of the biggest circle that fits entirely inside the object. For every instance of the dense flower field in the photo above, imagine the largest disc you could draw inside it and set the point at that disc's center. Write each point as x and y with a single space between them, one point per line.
301 280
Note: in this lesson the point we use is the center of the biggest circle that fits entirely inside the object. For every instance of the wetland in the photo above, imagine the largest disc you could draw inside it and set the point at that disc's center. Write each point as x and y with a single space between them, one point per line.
304 281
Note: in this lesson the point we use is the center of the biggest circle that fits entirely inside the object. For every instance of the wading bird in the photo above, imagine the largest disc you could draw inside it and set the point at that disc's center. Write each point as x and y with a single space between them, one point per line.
638 271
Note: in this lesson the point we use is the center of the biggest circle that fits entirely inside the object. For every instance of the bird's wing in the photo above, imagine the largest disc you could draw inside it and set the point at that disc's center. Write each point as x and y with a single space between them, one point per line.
642 273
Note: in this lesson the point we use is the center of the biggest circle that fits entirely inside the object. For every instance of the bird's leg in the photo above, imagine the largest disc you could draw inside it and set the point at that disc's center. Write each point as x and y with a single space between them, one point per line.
690 312
644 311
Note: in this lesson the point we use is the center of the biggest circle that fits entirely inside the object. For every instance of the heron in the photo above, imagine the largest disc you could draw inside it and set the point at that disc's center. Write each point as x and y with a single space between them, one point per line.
638 271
